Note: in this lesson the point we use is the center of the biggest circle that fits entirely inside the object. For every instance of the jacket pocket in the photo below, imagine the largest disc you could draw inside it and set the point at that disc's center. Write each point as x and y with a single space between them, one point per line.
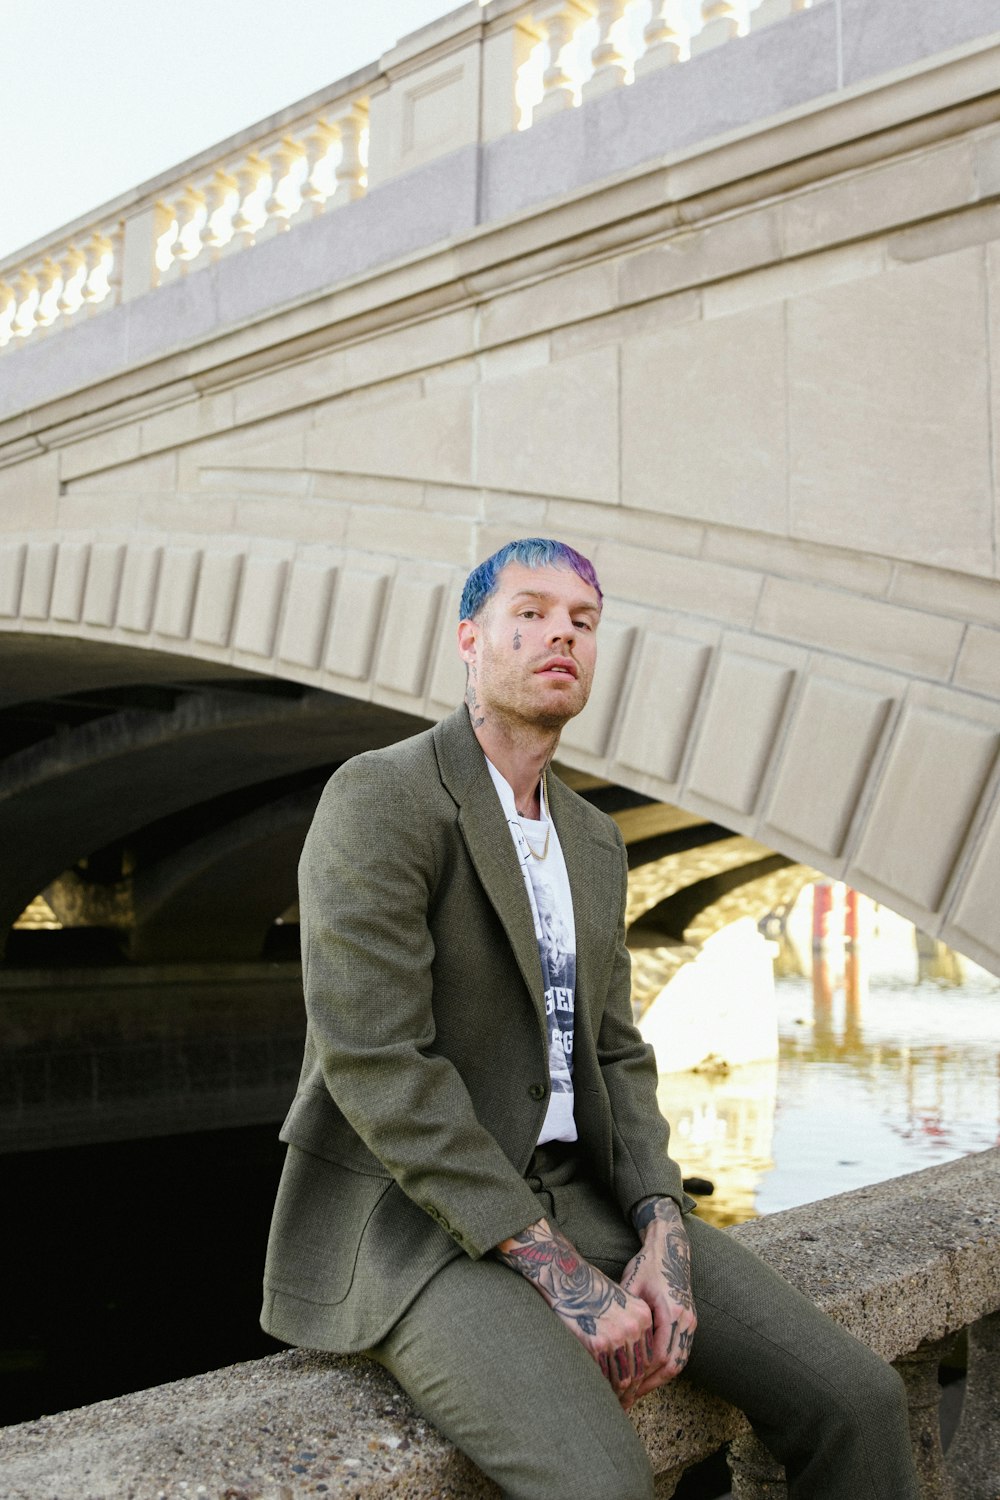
320 1217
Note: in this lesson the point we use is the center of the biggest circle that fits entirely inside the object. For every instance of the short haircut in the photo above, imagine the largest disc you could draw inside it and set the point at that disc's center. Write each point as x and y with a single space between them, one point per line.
532 552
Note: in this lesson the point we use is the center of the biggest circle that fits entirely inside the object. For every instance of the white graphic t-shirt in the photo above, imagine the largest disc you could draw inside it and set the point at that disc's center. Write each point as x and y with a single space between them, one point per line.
551 900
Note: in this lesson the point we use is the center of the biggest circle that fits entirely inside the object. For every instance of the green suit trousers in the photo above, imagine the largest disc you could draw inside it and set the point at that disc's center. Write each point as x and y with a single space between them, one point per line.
487 1361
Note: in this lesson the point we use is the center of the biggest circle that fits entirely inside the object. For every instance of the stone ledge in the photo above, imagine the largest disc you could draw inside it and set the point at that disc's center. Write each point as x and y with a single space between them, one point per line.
897 1263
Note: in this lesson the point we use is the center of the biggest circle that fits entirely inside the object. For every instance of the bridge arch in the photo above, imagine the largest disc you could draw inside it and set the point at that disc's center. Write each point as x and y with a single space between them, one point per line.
867 771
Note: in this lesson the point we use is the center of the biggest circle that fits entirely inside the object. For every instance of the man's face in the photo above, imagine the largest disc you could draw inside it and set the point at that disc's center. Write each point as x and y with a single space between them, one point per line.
531 650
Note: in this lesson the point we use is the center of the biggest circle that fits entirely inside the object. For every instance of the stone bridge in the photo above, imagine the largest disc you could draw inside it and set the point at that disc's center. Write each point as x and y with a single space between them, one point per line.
718 304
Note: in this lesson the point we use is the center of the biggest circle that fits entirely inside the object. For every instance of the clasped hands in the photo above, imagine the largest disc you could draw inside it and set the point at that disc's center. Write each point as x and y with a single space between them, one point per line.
640 1331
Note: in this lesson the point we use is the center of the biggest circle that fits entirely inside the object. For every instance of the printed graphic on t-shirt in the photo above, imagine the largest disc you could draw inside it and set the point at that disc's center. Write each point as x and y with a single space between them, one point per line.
556 950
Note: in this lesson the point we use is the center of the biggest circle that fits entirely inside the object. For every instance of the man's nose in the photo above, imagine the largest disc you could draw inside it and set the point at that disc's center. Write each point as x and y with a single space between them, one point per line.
562 629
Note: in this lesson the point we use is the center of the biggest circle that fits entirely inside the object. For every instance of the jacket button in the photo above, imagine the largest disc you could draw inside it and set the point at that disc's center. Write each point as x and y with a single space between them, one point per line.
537 1091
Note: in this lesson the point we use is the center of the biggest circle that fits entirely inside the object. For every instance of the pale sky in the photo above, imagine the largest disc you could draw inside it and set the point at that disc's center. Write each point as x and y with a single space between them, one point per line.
99 96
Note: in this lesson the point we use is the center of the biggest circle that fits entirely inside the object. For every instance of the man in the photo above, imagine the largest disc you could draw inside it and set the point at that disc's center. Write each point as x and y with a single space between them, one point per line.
478 1190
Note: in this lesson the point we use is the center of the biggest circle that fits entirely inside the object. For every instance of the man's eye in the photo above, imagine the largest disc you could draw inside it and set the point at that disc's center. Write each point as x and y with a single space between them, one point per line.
583 625
529 614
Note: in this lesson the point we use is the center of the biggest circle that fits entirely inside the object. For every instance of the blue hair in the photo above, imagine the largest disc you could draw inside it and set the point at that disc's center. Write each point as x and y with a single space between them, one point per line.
532 552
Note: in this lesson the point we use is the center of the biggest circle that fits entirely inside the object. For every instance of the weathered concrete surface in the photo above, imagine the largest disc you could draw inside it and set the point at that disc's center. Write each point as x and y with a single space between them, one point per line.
897 1263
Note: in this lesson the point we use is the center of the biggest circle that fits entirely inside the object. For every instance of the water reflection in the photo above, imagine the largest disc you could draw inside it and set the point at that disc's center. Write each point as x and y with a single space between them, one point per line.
889 1061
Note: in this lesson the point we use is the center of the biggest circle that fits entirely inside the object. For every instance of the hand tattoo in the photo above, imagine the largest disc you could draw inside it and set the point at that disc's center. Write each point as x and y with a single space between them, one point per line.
636 1263
676 1267
675 1263
574 1288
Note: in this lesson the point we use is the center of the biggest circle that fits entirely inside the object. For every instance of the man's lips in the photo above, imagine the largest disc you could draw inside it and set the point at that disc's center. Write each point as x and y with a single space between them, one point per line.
559 666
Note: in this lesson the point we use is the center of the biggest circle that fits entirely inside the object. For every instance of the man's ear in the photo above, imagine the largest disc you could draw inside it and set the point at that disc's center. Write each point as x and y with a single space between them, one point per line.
468 635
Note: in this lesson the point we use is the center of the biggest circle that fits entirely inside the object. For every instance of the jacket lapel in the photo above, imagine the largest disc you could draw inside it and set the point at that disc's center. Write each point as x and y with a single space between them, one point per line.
487 838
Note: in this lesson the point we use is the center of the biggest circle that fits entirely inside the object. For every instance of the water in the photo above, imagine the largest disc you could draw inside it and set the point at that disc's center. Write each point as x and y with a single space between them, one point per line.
906 1077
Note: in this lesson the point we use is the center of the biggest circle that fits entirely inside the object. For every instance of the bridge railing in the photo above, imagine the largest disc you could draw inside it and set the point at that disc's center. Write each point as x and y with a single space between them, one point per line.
906 1265
480 72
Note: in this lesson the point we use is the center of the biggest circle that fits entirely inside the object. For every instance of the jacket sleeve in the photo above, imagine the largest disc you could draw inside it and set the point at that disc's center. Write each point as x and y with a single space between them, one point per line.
642 1164
366 880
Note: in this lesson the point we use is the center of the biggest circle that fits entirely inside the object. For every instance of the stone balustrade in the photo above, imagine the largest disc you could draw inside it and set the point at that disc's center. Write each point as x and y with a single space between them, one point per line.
480 72
906 1265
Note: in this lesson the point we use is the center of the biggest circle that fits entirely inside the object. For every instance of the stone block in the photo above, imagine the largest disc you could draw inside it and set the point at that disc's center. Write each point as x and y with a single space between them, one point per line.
294 385
426 111
889 415
958 594
188 422
789 558
410 625
432 341
12 559
552 303
685 584
975 913
39 573
142 476
690 257
628 323
987 163
175 595
789 279
834 620
973 226
703 420
307 612
357 614
447 684
635 528
306 521
591 730
409 533
887 196
505 360
29 492
739 731
103 451
938 764
663 698
554 430
978 666
69 581
218 586
832 741
411 437
100 600
140 576
260 605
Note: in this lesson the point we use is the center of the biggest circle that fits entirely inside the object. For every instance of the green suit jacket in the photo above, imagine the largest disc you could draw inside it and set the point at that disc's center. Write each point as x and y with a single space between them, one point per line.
425 1078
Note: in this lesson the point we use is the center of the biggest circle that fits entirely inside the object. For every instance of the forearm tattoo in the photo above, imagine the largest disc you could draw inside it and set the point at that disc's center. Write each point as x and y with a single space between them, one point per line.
572 1286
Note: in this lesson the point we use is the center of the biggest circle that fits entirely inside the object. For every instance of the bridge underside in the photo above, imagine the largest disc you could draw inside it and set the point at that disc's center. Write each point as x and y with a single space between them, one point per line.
157 807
